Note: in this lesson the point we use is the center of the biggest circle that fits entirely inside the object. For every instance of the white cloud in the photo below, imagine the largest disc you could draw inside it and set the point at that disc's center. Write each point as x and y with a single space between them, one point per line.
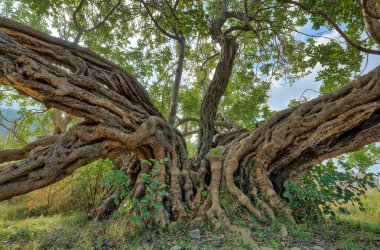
280 95
326 38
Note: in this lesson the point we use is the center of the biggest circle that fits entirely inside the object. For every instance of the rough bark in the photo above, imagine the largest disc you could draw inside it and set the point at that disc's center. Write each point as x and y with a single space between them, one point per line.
371 8
213 95
8 155
120 118
296 139
118 113
47 165
371 18
218 84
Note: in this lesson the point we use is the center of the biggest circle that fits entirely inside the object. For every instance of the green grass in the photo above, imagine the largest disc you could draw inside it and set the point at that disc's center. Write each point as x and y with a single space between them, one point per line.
21 229
369 218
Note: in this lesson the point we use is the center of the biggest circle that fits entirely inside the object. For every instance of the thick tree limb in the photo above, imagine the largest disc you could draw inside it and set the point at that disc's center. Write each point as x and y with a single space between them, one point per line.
218 84
8 155
103 78
298 138
214 93
119 116
92 88
47 165
371 8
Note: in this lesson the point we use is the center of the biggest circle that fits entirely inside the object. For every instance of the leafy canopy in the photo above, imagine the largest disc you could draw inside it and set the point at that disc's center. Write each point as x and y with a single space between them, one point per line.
282 45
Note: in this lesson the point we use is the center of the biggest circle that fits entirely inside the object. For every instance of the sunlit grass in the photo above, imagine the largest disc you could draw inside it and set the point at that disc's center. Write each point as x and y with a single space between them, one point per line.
20 229
370 217
32 225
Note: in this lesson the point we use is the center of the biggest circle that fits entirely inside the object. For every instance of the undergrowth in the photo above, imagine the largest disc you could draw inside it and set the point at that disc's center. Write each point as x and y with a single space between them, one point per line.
73 230
57 217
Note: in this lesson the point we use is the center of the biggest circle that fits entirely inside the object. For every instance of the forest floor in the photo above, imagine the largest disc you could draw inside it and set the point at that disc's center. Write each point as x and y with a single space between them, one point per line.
22 229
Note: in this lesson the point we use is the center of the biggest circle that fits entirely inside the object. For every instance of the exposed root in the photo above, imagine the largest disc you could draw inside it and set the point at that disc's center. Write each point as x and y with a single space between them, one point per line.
154 139
199 180
178 208
272 197
108 206
216 214
120 118
253 192
238 194
232 164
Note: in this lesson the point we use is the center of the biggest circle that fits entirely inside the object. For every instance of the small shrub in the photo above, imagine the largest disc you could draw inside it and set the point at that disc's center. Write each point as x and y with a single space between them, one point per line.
325 186
145 208
89 181
148 204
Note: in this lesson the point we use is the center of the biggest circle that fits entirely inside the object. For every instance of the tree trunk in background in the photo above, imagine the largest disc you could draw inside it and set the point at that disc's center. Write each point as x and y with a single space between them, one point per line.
177 81
120 118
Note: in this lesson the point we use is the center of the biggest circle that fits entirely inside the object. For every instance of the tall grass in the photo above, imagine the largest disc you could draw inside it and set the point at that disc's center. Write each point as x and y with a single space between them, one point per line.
370 217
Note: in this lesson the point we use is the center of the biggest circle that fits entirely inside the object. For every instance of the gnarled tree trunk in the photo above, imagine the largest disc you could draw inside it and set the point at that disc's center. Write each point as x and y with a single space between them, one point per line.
120 118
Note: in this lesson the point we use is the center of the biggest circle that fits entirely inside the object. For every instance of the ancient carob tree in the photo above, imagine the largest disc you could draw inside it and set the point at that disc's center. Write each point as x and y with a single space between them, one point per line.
119 120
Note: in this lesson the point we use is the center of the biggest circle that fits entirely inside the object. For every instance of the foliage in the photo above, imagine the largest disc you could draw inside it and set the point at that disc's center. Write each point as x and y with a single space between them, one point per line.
88 181
333 184
367 218
284 51
214 151
155 190
287 49
145 208
113 178
278 55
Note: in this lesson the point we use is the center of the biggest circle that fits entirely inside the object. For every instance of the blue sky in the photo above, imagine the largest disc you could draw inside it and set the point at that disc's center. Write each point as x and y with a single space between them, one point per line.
280 95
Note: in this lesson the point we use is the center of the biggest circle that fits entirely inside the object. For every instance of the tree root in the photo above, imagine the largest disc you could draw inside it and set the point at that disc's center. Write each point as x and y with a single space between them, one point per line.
120 118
